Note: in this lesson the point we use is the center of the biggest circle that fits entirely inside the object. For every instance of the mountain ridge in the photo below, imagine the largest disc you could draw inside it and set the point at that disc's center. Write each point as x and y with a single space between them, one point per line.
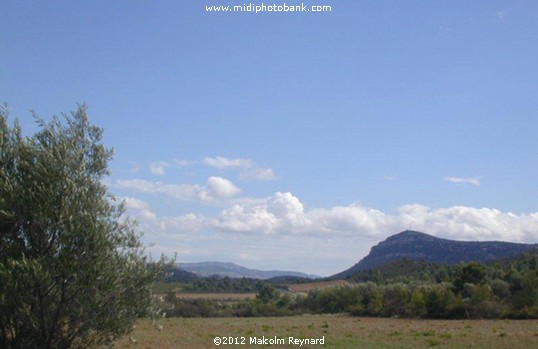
223 269
418 246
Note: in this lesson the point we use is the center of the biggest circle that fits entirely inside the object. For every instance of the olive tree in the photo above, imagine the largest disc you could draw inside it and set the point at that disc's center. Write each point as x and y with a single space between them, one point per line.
73 273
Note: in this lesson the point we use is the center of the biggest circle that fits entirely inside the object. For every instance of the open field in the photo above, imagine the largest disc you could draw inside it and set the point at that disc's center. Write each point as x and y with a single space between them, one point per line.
217 296
339 331
305 288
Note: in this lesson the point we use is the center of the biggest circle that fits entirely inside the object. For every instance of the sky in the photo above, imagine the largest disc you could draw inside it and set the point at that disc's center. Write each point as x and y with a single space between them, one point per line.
294 140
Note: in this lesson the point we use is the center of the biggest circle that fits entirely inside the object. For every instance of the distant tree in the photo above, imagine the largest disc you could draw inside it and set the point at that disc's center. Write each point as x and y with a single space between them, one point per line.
396 299
442 303
266 292
72 269
284 301
372 299
417 305
470 273
527 295
500 289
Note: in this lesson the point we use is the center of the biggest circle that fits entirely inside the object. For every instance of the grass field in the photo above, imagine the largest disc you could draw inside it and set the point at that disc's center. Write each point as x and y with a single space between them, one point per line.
305 288
222 297
339 332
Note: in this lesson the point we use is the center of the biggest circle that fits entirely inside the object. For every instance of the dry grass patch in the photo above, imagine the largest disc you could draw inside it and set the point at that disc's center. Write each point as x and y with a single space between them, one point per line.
217 296
305 288
339 331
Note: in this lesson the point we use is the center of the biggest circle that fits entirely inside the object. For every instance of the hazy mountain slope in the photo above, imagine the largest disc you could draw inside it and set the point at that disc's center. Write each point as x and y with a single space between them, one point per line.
179 275
206 269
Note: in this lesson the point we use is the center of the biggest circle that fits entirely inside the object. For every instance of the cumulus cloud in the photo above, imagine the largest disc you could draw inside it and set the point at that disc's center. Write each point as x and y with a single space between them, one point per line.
342 232
353 220
469 223
219 187
242 219
283 213
216 188
465 180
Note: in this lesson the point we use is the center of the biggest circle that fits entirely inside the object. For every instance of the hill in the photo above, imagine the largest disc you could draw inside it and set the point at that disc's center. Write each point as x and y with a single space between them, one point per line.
417 246
207 269
403 270
179 275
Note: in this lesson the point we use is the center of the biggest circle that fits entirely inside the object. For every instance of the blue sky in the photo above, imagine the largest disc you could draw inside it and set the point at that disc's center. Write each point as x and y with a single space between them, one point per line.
294 140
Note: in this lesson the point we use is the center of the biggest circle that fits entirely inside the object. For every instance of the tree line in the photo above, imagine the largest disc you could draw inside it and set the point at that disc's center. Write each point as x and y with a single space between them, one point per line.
504 289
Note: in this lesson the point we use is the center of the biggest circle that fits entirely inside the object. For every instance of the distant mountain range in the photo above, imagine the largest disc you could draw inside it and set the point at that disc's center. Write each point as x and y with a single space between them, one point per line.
417 246
206 269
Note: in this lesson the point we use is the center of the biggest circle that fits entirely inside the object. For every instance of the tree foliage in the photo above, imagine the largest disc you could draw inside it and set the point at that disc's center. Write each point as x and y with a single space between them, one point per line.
72 269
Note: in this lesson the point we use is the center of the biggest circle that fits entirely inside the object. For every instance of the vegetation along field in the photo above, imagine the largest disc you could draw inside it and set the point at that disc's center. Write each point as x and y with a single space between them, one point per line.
340 331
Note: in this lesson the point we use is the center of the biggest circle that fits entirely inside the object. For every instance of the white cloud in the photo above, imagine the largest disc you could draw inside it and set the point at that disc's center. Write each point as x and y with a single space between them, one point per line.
158 168
469 223
343 233
465 180
258 174
242 219
353 220
215 189
284 214
221 188
140 208
184 224
248 169
181 192
221 162
281 213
